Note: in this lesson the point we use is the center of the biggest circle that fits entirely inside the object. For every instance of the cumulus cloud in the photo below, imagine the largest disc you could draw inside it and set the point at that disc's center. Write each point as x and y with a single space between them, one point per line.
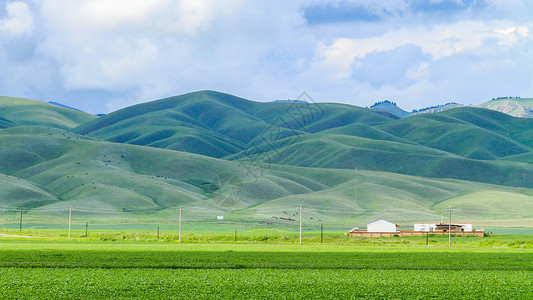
18 20
101 55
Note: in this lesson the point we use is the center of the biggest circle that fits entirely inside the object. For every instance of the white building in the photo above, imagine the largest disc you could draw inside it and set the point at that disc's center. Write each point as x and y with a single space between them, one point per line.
466 227
425 227
381 225
433 227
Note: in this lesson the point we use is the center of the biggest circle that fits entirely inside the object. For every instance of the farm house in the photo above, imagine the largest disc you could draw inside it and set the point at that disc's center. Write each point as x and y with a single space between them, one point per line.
443 227
384 228
381 225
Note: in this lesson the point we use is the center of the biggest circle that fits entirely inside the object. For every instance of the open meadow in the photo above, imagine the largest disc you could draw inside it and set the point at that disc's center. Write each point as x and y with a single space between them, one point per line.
119 266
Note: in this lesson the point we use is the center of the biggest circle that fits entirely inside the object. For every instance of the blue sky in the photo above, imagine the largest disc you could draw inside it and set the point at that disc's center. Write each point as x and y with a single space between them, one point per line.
102 55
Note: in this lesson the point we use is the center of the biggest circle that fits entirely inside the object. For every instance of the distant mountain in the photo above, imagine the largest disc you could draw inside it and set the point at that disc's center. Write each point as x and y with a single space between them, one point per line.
436 108
390 107
64 106
517 107
37 113
218 154
289 101
217 124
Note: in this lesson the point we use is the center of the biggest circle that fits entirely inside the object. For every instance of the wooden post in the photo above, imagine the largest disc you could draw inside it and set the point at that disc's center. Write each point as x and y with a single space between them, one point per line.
20 227
179 240
321 232
158 233
235 235
69 220
86 228
450 227
300 224
427 238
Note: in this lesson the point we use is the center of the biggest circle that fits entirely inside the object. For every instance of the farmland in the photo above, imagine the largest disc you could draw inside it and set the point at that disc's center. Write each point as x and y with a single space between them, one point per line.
90 269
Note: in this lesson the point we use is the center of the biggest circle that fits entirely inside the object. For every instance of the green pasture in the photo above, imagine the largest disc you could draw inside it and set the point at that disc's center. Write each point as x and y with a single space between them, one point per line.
75 269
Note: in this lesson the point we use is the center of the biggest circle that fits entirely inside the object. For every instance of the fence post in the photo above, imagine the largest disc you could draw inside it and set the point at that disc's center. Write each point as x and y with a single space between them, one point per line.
20 227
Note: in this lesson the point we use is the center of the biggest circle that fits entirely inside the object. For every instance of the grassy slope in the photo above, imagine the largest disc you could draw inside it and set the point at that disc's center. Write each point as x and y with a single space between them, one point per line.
522 108
57 171
61 168
217 124
5 123
392 109
469 132
31 112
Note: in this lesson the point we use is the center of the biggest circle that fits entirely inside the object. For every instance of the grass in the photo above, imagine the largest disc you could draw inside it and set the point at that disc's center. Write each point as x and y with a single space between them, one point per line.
202 234
45 170
46 269
25 112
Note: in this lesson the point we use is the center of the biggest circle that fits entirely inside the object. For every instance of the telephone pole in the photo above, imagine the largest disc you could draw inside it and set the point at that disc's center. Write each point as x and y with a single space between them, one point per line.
300 224
69 220
180 228
20 227
450 226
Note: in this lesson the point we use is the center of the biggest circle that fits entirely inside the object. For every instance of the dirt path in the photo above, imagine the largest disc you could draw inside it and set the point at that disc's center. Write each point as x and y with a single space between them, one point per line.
14 235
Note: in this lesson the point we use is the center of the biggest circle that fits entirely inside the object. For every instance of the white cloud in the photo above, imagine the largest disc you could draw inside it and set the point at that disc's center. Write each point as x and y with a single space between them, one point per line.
439 41
18 21
106 54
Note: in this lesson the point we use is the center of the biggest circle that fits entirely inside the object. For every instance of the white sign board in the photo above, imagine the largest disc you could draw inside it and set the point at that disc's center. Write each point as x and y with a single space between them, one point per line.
220 217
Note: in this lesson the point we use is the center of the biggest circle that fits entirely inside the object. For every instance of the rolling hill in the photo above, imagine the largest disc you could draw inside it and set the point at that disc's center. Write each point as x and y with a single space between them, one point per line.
37 113
106 181
217 154
517 107
217 124
391 108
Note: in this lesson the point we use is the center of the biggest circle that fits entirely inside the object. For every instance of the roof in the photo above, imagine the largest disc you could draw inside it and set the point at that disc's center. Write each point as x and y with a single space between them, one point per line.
383 220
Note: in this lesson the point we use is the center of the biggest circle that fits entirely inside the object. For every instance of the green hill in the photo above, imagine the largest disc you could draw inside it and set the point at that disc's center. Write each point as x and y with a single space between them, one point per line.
4 123
31 112
217 124
517 107
469 132
436 108
105 181
216 154
391 108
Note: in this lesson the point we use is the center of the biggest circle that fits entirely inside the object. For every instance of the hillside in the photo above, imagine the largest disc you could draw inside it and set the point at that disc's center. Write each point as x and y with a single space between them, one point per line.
391 108
517 107
217 124
108 181
436 108
216 154
37 113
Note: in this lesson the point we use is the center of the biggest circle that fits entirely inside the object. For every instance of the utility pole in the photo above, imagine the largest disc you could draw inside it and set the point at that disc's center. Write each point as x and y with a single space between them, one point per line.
300 224
355 193
180 228
20 227
69 220
450 226
86 228
321 233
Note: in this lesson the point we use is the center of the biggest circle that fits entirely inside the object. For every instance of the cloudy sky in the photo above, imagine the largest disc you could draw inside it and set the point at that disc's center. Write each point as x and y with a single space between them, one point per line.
102 55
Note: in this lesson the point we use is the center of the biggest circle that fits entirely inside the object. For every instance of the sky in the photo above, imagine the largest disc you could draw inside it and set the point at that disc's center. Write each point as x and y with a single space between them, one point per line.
103 55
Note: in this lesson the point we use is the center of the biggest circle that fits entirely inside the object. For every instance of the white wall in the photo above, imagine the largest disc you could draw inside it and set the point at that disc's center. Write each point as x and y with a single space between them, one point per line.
381 226
425 227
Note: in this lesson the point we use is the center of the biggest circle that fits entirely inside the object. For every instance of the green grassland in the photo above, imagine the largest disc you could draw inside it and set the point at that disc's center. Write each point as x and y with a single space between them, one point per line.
45 269
255 163
518 107
112 182
391 108
31 112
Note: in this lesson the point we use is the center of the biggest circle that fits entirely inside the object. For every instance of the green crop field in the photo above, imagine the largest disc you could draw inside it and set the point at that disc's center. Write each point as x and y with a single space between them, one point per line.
73 269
